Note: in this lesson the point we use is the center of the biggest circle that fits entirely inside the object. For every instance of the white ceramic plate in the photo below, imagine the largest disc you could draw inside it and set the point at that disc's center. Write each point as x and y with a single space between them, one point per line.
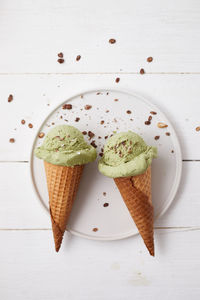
113 222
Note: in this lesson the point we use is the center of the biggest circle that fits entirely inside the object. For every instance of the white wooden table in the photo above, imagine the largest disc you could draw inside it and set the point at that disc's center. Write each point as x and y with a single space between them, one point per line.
32 33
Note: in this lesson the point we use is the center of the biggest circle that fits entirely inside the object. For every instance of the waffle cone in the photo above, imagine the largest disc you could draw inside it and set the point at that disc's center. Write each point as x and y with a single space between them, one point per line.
62 185
136 192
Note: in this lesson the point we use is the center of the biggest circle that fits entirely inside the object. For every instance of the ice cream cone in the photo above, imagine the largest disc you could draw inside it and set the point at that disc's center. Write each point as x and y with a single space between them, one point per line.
136 192
62 182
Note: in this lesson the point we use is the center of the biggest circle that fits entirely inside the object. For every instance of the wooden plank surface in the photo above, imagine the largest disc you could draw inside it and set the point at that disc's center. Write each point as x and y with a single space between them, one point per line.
176 95
32 33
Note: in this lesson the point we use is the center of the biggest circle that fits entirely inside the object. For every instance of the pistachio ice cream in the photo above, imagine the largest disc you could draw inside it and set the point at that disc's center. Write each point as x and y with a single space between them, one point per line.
126 154
64 145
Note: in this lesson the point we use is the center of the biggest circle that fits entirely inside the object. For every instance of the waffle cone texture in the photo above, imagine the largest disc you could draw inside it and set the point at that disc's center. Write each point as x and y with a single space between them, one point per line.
136 193
62 182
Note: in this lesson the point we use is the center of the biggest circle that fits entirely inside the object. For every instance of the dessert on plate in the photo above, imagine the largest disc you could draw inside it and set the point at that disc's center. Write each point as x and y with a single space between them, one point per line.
127 159
64 152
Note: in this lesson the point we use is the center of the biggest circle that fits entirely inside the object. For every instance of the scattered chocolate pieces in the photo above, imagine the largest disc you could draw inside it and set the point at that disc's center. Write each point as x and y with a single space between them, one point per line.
91 134
162 125
101 154
102 122
149 118
60 60
10 98
198 128
157 137
104 193
112 41
77 119
142 71
93 144
95 229
99 137
105 137
41 135
153 112
167 133
147 122
78 57
128 112
23 122
84 132
11 140
106 204
149 59
30 125
67 106
117 80
60 55
87 107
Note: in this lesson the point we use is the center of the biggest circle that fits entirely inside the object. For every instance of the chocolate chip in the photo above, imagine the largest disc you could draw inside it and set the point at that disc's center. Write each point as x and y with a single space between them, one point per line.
107 111
112 41
149 118
102 122
198 128
78 57
106 137
172 151
91 134
87 107
149 59
167 133
41 135
142 71
93 144
128 112
30 125
104 193
84 132
101 154
157 137
77 119
116 100
95 229
117 80
61 60
106 204
153 112
10 98
23 122
99 137
60 54
67 106
147 122
52 123
11 140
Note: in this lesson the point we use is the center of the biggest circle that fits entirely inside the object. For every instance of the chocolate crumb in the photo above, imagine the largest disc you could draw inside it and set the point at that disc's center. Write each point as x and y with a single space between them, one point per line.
30 125
102 122
147 122
95 229
67 106
131 119
61 60
153 112
117 80
102 149
112 41
142 71
157 137
81 96
167 133
87 107
52 123
23 122
41 135
99 137
116 100
101 154
91 134
104 193
60 55
106 204
172 151
107 111
198 128
106 137
98 93
128 112
77 119
10 98
149 118
93 144
84 132
61 117
107 93
150 59
11 140
78 57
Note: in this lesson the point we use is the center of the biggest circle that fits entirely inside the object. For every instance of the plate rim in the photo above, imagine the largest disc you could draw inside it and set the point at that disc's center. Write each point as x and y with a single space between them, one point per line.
177 177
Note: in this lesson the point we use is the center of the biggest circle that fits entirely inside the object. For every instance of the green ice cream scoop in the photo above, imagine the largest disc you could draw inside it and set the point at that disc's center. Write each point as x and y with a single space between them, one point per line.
126 154
65 146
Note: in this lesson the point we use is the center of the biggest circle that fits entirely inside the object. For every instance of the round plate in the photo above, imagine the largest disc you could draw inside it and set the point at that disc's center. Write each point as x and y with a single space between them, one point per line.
112 111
